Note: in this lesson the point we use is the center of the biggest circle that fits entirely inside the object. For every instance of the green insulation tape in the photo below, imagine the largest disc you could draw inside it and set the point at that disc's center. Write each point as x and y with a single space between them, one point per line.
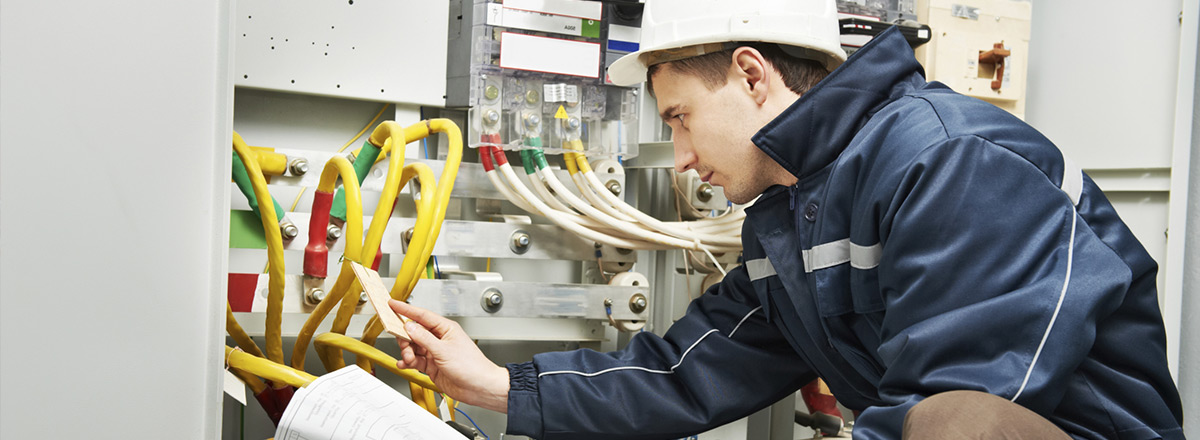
540 157
527 161
242 179
362 165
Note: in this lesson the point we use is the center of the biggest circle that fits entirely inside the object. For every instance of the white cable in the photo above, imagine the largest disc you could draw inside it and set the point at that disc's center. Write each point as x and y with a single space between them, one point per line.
631 228
567 223
711 240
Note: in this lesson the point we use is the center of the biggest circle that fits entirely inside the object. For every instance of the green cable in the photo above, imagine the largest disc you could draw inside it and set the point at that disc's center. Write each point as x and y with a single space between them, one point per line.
242 179
429 269
362 165
540 157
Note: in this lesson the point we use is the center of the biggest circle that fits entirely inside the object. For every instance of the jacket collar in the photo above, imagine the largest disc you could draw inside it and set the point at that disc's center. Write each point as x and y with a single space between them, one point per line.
814 130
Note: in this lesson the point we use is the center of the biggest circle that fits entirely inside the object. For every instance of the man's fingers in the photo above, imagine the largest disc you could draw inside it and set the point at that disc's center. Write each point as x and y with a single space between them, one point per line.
438 325
422 337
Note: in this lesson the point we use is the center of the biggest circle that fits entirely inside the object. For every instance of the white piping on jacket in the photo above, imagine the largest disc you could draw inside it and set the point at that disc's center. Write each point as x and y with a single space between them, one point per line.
1062 295
648 370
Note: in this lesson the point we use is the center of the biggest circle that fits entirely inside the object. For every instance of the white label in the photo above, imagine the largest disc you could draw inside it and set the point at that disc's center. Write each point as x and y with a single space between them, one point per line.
534 21
923 34
550 55
590 10
560 93
262 290
234 388
624 33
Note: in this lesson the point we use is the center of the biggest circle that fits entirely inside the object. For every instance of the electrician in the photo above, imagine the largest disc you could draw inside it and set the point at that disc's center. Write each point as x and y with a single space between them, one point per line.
938 262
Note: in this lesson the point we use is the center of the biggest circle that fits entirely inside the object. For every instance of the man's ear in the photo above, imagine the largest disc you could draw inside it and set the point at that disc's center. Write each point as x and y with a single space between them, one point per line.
752 72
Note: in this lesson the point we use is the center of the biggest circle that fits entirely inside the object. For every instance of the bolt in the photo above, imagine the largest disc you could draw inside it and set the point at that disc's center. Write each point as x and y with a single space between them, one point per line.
704 192
608 302
408 235
573 123
531 97
613 187
362 297
491 92
520 242
299 166
491 117
289 231
492 300
532 121
315 296
333 232
638 303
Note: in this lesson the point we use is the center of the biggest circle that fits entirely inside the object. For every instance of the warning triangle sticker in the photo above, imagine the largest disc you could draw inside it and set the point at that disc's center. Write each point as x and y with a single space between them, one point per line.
561 113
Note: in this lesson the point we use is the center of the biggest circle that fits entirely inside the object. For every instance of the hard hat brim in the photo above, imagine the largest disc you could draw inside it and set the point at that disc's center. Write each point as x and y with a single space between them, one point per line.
630 70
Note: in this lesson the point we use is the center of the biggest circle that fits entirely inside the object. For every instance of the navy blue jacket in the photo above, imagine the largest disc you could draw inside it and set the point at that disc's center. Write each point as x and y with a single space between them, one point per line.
932 243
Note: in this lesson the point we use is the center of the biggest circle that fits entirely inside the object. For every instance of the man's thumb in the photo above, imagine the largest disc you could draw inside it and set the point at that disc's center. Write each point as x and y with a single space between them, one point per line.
421 337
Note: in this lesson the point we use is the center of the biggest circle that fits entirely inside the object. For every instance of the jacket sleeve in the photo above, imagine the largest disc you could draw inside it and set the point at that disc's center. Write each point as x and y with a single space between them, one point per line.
720 362
992 280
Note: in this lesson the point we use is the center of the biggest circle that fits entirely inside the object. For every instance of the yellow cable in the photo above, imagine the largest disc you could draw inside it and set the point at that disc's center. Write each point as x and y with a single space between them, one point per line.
337 166
331 343
425 206
387 132
256 385
238 334
239 360
417 394
444 187
430 402
274 321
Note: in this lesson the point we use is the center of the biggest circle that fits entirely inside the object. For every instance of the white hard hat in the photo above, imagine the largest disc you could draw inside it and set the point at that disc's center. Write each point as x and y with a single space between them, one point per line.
696 27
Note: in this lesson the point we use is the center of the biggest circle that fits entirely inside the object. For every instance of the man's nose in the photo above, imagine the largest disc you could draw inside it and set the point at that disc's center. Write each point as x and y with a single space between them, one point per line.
685 157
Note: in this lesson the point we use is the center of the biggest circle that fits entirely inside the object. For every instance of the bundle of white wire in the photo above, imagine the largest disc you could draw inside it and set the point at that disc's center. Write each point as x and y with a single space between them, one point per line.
605 218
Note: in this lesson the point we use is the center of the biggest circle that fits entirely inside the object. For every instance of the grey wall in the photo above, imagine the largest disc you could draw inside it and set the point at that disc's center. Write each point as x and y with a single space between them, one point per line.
113 157
1189 352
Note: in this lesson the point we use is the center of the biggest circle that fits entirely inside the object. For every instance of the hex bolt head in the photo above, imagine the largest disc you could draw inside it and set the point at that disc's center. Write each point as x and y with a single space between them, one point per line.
299 166
704 192
531 97
362 297
492 300
613 187
289 231
520 242
408 235
573 123
491 92
638 303
491 117
315 296
333 232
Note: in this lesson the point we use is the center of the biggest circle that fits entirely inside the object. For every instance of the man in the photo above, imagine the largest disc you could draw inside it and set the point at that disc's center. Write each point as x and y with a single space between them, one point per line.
936 261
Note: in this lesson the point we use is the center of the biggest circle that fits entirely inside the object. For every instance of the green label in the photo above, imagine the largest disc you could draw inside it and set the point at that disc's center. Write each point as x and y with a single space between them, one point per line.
245 231
591 28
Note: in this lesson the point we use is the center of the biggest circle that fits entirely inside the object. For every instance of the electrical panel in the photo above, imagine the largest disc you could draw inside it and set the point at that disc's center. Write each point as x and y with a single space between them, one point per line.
979 48
532 74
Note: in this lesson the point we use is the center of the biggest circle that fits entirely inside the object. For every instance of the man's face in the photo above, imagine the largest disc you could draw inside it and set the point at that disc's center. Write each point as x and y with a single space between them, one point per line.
711 130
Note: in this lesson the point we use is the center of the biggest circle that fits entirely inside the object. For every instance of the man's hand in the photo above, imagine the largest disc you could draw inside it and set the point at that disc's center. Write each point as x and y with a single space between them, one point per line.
443 351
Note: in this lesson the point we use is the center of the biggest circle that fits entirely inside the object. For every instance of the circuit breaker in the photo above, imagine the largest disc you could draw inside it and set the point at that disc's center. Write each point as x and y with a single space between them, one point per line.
979 48
531 74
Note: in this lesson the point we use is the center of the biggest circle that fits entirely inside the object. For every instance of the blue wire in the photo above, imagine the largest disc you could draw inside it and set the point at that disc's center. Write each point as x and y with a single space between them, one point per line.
436 271
426 145
473 423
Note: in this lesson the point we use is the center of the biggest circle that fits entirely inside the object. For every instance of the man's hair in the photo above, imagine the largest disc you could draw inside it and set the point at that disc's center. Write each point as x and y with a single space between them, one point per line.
798 74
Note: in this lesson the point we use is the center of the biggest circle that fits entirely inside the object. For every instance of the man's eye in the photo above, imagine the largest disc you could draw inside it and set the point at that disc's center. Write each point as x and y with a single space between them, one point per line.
680 118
